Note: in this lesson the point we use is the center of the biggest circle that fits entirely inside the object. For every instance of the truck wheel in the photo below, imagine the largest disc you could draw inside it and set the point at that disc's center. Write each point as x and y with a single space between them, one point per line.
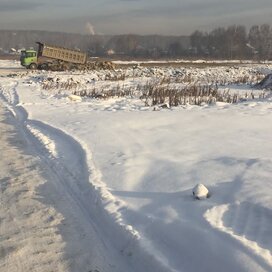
43 66
33 66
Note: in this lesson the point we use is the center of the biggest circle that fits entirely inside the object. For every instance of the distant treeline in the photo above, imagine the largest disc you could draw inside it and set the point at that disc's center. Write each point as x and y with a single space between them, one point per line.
97 45
233 42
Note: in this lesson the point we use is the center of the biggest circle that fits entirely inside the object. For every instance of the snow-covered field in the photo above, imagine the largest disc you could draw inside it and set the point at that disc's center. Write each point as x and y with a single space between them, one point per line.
120 171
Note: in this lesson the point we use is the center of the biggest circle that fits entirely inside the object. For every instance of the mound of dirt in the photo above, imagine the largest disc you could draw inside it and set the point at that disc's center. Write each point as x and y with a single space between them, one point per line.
266 83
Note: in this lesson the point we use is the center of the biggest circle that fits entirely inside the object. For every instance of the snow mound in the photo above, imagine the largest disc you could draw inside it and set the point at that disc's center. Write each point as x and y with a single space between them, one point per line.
73 97
200 191
266 83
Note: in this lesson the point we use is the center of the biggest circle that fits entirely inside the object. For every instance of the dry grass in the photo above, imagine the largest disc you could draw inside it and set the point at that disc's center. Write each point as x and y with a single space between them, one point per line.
194 95
118 91
169 91
50 84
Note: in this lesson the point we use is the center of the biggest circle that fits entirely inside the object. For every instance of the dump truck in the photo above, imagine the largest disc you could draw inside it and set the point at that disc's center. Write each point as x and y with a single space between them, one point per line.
50 57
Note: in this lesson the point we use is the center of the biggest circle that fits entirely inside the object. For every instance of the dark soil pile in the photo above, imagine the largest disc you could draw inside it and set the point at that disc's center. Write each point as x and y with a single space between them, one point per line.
266 83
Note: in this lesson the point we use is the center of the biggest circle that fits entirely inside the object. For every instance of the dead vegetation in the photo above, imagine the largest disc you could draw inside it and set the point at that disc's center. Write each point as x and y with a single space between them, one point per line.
57 84
167 91
117 91
212 80
192 95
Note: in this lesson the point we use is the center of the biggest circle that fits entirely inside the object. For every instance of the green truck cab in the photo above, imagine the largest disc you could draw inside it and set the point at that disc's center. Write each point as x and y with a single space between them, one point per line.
50 57
29 59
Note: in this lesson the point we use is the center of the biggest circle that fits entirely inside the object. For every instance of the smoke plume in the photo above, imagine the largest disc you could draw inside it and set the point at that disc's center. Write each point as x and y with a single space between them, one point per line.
90 28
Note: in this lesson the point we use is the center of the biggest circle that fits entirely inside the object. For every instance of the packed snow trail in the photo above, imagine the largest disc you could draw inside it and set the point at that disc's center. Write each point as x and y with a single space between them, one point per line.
28 228
93 241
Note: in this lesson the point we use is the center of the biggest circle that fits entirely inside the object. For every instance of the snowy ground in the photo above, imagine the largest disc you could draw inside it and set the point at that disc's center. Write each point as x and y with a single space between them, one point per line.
118 175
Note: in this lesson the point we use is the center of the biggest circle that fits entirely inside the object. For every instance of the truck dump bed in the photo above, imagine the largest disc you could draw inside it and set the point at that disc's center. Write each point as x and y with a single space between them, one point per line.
60 53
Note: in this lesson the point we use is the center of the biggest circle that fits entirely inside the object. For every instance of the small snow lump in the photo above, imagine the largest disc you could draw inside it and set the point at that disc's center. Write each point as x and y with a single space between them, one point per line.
200 191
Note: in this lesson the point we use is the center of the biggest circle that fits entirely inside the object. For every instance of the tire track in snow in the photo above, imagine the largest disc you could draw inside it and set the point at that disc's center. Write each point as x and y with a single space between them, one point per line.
246 222
58 151
89 198
28 241
10 97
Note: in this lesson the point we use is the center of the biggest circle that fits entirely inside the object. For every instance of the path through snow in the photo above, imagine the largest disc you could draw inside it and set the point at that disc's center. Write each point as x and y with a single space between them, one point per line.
120 178
85 239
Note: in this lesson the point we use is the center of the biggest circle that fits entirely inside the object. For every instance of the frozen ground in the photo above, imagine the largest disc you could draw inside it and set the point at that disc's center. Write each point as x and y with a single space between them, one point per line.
117 175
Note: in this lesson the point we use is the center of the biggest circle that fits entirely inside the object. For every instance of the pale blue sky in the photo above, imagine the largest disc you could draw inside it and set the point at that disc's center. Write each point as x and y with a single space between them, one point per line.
169 17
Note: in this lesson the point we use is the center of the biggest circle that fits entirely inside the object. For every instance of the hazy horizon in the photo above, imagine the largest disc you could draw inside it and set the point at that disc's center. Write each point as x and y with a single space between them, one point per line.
113 17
